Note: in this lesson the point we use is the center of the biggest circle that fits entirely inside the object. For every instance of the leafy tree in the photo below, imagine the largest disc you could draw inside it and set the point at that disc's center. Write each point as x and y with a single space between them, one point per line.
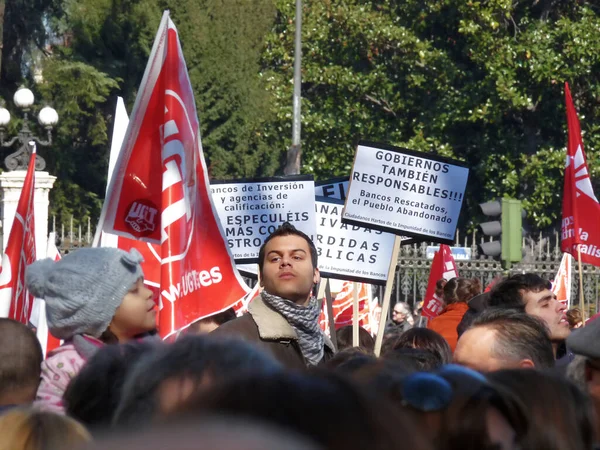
478 81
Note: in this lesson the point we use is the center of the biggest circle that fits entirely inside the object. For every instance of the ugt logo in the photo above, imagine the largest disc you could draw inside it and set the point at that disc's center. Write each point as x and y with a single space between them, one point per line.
142 217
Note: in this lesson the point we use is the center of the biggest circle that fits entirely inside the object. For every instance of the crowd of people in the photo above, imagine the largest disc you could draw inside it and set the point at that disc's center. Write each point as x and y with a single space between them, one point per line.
506 369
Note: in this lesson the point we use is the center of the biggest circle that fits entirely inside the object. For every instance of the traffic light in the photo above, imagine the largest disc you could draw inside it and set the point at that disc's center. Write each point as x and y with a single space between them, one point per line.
508 228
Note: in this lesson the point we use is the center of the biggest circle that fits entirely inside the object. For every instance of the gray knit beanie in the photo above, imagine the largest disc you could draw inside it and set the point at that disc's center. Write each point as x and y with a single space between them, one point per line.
84 289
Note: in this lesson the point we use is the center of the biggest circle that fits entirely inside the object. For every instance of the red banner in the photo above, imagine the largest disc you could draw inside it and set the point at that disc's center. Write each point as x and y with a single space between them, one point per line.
343 311
581 211
15 300
442 267
160 194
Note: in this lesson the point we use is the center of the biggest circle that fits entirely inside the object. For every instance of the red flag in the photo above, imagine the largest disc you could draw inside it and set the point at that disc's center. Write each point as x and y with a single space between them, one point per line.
581 211
442 267
15 300
160 194
38 314
343 309
561 287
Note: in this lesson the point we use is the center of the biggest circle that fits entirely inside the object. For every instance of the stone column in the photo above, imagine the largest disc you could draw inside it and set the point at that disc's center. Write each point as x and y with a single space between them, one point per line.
11 184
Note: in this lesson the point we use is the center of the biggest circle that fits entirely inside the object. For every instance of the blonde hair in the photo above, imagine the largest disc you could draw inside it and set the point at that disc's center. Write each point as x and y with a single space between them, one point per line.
27 429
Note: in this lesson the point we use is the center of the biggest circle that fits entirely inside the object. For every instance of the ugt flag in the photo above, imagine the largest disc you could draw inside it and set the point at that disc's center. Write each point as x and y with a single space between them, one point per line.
442 267
15 300
580 211
159 193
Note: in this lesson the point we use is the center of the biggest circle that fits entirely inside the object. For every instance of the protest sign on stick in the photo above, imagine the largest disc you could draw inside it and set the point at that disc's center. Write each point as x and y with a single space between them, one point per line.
355 314
561 286
387 295
250 210
405 192
350 252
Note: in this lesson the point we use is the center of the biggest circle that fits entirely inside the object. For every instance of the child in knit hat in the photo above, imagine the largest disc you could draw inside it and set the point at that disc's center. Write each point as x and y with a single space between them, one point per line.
94 296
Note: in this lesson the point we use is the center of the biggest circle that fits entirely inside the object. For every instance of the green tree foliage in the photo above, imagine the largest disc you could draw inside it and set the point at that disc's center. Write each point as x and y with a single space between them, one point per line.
478 81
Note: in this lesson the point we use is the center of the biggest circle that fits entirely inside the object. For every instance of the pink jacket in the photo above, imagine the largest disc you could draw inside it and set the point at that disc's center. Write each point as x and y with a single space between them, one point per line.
58 370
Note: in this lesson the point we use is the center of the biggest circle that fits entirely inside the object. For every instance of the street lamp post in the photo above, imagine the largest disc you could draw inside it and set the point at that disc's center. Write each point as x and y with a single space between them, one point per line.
47 118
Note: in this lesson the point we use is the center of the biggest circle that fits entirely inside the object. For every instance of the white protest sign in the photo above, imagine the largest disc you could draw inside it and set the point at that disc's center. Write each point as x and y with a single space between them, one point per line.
350 252
250 210
405 192
337 188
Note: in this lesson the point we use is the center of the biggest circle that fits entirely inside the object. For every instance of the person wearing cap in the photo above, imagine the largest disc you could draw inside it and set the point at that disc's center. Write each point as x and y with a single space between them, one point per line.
584 370
94 296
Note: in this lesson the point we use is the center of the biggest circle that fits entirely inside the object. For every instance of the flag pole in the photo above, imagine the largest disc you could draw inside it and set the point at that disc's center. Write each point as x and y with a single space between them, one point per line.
329 300
354 314
387 295
581 301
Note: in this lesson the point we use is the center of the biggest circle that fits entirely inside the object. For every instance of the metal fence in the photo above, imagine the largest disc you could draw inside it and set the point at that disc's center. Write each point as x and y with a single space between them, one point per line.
542 256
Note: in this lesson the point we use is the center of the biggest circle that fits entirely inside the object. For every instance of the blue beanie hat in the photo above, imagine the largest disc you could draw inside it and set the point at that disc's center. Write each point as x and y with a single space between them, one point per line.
84 289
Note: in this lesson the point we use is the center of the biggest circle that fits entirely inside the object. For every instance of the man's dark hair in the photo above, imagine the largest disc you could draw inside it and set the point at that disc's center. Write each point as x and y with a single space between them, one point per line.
287 229
93 395
344 338
20 360
427 340
194 357
518 336
509 292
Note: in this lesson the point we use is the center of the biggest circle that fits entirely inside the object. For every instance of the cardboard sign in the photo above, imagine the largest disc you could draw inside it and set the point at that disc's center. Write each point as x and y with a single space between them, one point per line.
405 192
350 252
250 210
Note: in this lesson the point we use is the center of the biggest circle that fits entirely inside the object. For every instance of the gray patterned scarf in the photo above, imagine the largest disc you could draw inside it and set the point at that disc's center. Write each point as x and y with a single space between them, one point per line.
305 321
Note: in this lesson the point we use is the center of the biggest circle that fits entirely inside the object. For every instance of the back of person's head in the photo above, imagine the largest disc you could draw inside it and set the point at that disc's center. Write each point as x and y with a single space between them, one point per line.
425 339
461 290
211 323
93 395
518 337
28 429
287 229
509 292
560 414
439 287
574 318
20 363
414 359
171 373
328 409
344 338
212 433
350 358
457 403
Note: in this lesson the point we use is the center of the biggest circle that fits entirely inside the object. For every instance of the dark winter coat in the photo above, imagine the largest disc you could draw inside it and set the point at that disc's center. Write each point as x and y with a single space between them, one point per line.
271 331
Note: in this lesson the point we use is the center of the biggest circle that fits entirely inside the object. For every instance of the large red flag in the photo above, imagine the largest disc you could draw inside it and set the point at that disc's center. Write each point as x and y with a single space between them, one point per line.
15 300
581 211
160 194
442 267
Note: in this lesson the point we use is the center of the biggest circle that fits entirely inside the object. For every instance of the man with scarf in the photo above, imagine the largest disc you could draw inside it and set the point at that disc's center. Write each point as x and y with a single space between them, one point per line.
284 318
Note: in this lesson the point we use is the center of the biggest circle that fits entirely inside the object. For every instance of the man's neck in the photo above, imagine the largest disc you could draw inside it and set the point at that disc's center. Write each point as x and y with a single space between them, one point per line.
301 301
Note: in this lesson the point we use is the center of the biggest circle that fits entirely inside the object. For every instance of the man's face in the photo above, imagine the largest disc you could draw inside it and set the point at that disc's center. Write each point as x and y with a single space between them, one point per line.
288 271
474 350
397 315
545 306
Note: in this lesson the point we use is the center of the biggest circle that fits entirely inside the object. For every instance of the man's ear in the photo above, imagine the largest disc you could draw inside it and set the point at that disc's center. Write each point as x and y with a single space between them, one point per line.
526 364
316 276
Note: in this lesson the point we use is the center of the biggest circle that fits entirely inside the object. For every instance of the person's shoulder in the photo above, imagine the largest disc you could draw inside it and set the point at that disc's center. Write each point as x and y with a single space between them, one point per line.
242 326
